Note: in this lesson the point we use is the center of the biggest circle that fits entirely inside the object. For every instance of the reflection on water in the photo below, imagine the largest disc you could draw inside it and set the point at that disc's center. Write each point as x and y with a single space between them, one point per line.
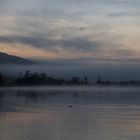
70 114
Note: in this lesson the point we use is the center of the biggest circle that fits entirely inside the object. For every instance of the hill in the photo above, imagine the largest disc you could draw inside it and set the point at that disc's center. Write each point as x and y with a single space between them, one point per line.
10 59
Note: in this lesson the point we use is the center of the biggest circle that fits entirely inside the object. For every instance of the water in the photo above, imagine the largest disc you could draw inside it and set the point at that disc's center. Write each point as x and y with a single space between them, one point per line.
74 113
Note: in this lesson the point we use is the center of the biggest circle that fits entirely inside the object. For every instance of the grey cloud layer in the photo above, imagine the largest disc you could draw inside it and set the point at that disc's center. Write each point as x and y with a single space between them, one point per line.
64 7
73 44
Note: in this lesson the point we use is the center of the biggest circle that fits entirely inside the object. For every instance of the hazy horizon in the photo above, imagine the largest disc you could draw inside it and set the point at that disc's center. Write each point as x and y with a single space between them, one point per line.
92 37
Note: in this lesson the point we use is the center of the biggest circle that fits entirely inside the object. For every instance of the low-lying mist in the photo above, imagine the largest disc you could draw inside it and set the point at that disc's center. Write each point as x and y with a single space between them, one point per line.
67 69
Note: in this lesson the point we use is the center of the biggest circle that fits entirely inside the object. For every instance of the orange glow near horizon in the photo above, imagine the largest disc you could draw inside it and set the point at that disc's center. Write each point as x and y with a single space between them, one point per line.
26 51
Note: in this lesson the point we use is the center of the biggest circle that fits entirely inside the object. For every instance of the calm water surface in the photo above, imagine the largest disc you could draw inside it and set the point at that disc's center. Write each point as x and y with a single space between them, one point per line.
74 113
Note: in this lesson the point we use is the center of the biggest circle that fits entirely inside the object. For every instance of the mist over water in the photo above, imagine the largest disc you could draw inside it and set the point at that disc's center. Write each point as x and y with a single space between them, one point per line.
67 69
67 113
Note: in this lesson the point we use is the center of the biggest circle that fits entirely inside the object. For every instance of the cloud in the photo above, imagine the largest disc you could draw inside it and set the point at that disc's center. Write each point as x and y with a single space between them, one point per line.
70 44
76 26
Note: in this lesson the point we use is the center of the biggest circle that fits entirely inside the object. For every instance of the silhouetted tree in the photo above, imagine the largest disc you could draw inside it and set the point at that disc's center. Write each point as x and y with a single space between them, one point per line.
86 80
1 79
75 80
99 81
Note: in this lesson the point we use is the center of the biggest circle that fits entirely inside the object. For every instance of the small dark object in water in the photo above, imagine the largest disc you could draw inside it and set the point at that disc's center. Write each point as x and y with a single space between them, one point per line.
70 105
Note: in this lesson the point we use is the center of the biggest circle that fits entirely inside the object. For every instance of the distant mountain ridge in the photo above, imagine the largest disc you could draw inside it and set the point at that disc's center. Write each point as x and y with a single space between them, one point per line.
11 59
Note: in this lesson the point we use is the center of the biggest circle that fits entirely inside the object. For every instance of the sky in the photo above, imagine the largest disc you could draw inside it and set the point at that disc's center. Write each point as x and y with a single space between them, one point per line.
68 33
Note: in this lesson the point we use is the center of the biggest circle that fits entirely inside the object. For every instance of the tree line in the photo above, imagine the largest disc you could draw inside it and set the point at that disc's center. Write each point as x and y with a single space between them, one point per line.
30 79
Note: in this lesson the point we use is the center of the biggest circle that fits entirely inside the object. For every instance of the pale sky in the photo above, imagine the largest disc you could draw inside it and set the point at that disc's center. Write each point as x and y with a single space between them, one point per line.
65 29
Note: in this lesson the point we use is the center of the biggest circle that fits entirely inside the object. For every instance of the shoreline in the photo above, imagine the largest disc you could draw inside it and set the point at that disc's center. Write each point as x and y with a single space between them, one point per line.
71 87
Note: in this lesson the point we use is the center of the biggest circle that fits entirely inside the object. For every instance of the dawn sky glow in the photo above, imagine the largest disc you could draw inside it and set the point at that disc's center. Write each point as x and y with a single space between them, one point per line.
98 29
73 37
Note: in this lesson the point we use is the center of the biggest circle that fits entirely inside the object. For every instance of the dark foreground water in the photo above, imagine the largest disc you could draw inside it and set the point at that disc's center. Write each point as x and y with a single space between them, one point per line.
70 113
